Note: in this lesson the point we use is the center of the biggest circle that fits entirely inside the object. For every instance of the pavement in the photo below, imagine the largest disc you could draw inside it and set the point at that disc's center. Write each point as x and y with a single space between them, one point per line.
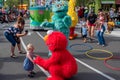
115 32
88 69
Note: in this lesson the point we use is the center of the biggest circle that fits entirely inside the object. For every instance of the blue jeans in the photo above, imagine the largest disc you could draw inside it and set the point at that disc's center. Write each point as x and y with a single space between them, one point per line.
10 38
100 36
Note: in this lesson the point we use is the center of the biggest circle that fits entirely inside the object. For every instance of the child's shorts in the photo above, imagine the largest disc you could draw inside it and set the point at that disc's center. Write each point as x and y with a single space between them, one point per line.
84 36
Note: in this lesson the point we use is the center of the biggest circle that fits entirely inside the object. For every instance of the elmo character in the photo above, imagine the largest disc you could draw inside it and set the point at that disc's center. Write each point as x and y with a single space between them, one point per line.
61 65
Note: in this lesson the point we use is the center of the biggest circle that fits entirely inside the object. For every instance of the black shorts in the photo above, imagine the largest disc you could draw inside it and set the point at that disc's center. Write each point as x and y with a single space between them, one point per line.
84 36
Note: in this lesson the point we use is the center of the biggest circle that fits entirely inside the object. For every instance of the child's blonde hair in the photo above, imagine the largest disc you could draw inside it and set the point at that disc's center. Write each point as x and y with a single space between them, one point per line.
30 46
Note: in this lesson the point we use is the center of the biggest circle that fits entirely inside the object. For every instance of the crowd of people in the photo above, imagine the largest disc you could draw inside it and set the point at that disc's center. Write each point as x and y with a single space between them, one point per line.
11 15
89 23
102 22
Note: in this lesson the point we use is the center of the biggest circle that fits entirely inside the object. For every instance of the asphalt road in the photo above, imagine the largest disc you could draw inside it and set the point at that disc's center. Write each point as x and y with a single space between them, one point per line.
88 68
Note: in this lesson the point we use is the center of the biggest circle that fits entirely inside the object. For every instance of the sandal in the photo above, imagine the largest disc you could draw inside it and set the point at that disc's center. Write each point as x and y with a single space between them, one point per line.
13 56
21 52
32 73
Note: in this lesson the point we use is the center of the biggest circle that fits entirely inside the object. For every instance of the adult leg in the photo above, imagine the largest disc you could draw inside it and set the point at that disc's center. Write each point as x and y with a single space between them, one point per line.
92 31
89 31
11 39
19 46
102 36
12 50
98 36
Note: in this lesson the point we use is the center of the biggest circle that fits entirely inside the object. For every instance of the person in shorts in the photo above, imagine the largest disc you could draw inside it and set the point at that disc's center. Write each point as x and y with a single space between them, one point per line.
13 34
92 18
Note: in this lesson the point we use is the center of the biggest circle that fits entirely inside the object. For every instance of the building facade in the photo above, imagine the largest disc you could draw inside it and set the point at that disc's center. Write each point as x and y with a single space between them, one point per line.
96 4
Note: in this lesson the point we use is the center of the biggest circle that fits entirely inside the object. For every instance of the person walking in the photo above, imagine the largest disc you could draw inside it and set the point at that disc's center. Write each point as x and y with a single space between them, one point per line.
101 29
92 18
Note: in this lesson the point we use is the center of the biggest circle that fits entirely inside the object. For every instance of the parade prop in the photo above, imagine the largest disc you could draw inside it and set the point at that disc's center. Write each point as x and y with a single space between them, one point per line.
61 65
60 20
100 50
109 66
40 10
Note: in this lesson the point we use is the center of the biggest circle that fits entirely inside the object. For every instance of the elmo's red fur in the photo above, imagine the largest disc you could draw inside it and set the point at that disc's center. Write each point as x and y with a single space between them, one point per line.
61 65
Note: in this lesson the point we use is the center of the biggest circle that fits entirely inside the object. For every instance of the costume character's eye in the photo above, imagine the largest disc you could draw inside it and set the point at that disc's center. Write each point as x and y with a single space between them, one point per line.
58 5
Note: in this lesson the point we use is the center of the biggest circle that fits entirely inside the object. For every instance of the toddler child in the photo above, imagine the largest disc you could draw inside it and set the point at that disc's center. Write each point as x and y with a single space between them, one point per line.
110 25
28 62
84 30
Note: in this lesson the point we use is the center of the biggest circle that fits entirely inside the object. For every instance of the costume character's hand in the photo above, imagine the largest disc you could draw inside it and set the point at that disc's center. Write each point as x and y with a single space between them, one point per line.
67 21
44 24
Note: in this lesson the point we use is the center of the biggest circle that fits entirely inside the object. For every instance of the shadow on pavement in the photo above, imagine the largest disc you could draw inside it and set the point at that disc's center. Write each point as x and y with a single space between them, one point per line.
89 76
24 76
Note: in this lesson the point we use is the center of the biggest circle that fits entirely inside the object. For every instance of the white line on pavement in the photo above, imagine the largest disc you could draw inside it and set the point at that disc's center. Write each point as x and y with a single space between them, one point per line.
24 46
39 35
88 66
97 71
45 72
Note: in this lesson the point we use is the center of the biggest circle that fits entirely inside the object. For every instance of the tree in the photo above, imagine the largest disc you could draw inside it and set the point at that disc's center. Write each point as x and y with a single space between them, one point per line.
11 3
26 2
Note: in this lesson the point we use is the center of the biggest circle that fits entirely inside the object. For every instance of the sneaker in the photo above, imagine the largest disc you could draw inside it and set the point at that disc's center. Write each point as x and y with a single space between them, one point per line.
30 75
90 39
21 52
103 45
98 43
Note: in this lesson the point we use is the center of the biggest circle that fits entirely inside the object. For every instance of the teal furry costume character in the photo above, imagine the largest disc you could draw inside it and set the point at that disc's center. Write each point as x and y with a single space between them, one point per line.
60 20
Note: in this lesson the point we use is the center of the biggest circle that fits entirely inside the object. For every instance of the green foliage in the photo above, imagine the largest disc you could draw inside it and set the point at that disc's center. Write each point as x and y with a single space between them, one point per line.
78 2
10 3
26 2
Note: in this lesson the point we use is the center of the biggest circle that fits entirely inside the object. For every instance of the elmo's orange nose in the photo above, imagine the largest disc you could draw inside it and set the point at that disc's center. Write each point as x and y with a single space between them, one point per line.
45 38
